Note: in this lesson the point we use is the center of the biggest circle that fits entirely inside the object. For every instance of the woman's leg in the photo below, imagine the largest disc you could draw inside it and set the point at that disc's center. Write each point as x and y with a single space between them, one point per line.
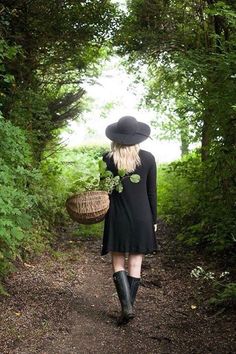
134 265
118 261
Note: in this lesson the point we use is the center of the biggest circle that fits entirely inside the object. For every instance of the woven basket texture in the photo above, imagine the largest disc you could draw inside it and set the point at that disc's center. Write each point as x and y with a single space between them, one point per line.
88 207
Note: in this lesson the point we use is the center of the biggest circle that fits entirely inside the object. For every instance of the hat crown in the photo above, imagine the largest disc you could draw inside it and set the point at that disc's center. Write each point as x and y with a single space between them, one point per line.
127 125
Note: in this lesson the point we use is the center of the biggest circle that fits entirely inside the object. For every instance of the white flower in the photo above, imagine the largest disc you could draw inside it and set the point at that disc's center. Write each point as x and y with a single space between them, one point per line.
223 274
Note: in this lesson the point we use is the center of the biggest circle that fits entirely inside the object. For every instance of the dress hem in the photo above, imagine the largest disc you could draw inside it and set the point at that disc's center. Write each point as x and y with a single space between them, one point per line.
146 252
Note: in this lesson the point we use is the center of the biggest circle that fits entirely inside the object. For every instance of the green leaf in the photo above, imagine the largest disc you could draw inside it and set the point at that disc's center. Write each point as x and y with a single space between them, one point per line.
121 173
135 178
17 234
9 78
116 180
102 166
108 174
119 188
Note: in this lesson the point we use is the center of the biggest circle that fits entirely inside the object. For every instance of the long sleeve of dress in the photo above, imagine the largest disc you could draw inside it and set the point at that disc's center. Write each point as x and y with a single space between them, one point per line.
152 190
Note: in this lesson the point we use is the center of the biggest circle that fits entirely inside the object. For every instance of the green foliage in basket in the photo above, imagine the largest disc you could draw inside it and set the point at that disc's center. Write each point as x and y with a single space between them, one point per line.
79 169
109 182
82 169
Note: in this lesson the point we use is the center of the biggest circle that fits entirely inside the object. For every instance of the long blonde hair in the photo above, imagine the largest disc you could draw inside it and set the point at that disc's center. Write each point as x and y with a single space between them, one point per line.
125 157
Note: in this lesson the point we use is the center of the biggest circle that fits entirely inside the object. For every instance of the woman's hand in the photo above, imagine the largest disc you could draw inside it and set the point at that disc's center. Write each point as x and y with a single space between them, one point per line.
155 227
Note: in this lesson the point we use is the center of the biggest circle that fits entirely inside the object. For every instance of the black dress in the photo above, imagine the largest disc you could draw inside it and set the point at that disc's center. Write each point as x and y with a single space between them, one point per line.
133 212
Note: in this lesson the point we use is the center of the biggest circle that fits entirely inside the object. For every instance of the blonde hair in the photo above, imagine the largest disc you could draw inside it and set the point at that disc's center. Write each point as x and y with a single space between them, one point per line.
125 157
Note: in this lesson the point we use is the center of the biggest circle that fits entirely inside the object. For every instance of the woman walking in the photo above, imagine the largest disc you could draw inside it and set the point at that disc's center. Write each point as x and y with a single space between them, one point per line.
130 223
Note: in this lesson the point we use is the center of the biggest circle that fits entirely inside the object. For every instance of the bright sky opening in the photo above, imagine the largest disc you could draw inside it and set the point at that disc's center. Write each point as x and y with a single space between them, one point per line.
113 95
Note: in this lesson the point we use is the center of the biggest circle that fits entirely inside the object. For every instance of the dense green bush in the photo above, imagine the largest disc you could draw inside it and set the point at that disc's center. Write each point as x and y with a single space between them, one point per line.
33 199
73 169
177 196
199 199
16 200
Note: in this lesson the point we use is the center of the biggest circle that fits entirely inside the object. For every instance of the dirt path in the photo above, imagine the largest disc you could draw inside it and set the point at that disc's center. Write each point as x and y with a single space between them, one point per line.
67 304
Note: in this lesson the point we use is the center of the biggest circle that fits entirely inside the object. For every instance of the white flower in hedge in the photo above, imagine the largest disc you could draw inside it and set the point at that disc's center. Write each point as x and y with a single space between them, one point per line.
197 272
224 274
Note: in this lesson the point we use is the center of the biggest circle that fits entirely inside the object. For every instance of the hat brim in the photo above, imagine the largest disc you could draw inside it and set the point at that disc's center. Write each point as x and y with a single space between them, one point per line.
141 134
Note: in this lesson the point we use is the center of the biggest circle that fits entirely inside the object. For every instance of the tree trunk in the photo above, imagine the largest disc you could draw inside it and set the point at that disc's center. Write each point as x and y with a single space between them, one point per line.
184 143
205 138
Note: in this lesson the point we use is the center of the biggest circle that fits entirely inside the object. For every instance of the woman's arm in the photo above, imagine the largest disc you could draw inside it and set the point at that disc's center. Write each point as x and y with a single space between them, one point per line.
152 189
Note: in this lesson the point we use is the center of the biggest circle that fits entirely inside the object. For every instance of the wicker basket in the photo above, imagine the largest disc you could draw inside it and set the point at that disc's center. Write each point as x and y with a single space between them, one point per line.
88 207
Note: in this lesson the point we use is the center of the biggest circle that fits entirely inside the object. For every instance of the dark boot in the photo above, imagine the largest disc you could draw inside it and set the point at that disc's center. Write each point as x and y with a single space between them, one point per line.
123 291
134 285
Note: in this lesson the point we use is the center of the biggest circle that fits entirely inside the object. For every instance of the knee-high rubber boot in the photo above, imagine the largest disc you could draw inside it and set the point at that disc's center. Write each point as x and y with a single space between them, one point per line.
134 285
123 291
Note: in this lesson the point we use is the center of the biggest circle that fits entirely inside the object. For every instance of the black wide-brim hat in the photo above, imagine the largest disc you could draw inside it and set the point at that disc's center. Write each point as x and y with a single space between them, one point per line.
128 131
